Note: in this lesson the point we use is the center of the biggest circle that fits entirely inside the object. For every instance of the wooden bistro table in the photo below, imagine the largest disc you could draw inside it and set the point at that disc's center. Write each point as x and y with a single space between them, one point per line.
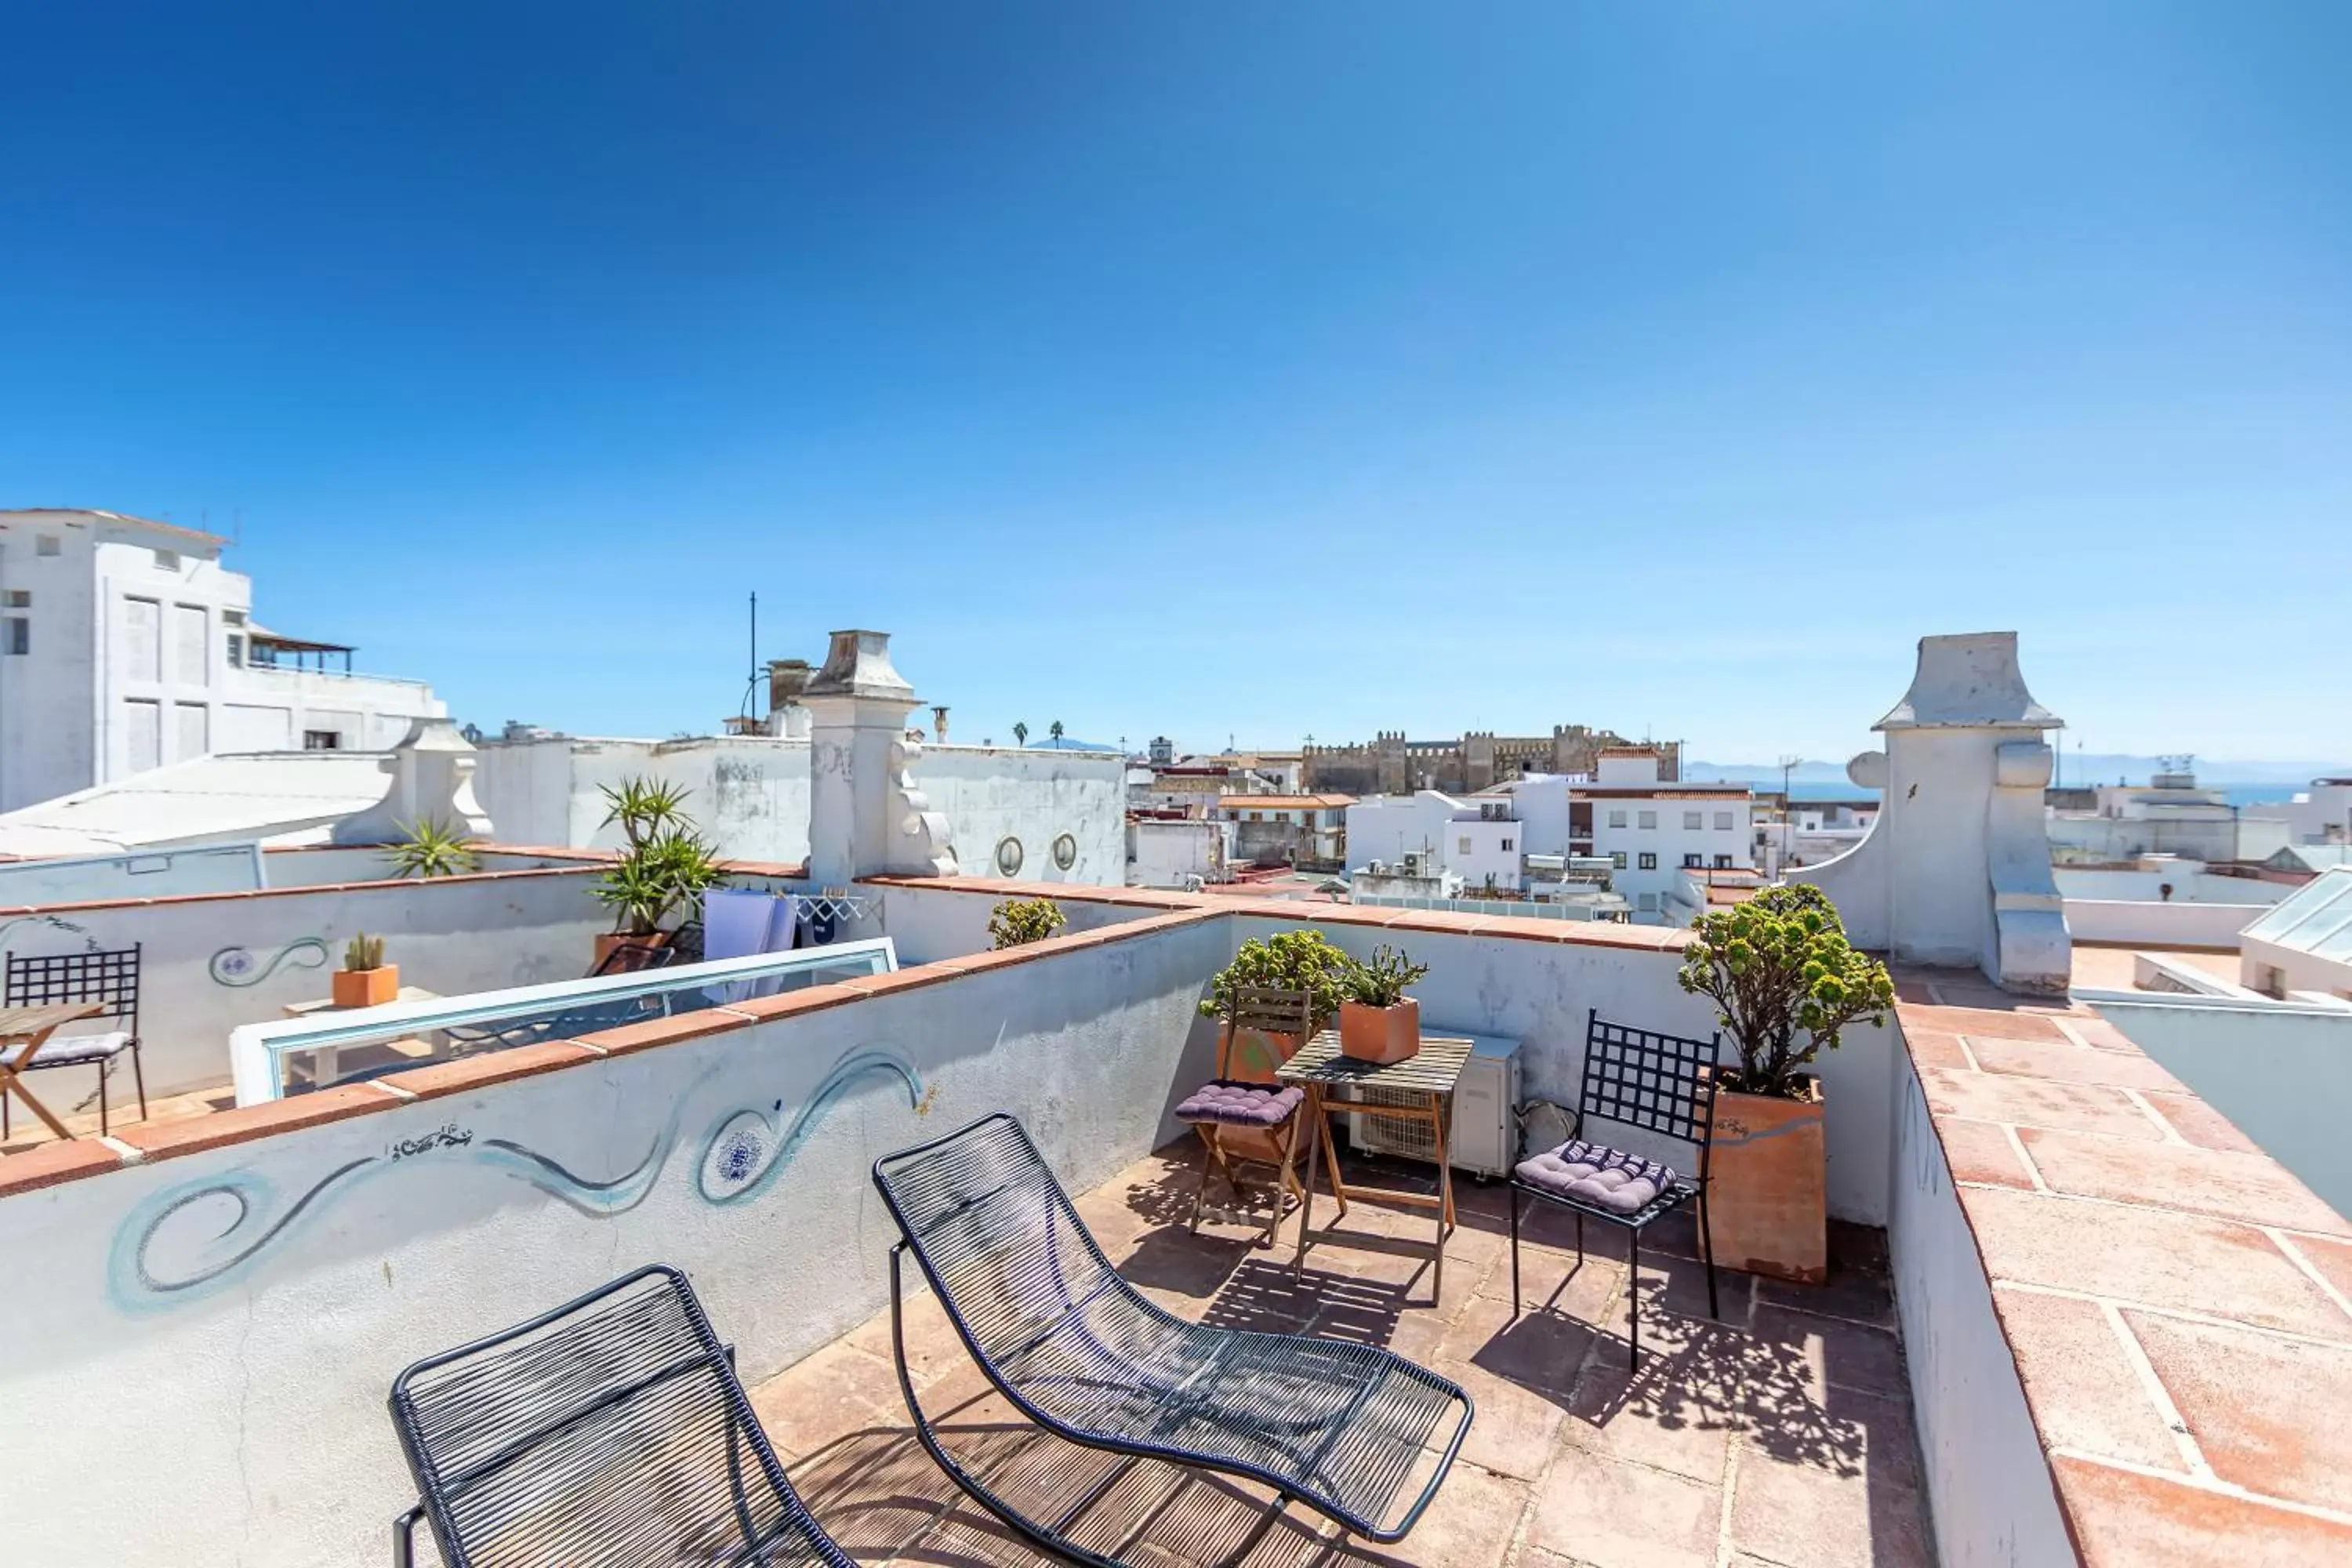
22 1031
1418 1089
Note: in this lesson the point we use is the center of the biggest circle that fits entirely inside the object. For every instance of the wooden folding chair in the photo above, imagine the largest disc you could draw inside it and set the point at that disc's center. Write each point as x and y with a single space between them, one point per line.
1244 1116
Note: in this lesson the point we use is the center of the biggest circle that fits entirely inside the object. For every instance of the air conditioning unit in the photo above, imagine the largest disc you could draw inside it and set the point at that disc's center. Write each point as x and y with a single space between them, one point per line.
1484 1135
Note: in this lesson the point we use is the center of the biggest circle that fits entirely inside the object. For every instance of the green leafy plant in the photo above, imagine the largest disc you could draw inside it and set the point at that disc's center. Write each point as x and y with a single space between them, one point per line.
1293 961
363 952
1786 981
644 808
1017 922
1020 734
432 847
1380 983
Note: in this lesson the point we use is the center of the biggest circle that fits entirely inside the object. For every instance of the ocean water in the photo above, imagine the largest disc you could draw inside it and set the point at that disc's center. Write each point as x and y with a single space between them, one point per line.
2237 795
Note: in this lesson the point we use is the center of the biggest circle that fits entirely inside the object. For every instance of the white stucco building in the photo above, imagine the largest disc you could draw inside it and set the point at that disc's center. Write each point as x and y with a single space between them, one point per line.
125 645
2320 814
2168 815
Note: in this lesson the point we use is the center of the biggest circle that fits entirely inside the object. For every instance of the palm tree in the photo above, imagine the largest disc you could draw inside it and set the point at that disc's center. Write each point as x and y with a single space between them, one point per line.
1020 734
1054 728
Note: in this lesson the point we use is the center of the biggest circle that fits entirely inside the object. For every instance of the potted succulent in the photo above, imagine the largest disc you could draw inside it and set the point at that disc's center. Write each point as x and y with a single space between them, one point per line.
1378 1021
1017 922
1293 961
665 867
365 980
1785 982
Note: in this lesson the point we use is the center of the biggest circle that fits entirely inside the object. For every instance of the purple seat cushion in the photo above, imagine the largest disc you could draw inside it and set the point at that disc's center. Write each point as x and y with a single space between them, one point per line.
68 1050
1598 1175
1241 1104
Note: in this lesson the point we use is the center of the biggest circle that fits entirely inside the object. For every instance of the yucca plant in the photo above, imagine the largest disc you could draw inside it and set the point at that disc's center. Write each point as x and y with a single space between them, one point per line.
660 874
363 952
1017 922
433 848
646 808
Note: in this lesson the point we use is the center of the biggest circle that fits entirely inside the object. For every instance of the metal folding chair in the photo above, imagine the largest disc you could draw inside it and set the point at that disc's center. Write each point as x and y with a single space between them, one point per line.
1652 1082
111 978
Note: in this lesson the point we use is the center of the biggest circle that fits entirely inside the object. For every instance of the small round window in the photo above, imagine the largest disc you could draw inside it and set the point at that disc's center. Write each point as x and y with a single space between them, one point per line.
1065 851
1008 856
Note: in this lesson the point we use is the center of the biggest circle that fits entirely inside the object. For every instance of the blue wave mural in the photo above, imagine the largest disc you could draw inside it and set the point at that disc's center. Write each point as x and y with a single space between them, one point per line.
237 966
189 1240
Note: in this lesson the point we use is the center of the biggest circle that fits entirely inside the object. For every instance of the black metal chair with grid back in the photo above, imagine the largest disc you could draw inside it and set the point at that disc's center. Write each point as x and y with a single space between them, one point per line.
108 977
1244 1116
1649 1083
609 1433
1337 1425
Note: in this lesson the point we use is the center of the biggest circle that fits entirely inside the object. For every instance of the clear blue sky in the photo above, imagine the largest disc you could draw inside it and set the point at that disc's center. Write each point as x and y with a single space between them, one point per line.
1270 369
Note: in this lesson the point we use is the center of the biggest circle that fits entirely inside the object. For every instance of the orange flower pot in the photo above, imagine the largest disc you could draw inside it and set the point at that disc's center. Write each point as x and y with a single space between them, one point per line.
1768 1196
366 987
1382 1035
1257 1053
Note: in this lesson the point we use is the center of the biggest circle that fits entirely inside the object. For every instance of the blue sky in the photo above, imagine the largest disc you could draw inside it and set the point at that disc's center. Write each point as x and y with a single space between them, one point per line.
1267 370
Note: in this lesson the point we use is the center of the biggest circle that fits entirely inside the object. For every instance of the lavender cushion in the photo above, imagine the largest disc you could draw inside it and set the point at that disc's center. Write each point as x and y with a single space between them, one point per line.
1598 1176
68 1050
1241 1104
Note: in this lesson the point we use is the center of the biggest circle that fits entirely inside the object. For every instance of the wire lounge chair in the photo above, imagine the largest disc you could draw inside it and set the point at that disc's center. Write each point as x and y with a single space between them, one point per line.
609 1433
1338 1427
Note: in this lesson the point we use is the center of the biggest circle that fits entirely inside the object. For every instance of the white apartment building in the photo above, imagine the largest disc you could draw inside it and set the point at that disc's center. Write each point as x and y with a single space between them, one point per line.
2320 814
1472 839
126 644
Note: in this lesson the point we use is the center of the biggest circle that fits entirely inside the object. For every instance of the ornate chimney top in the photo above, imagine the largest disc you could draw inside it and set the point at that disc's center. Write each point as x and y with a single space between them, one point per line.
858 665
1969 682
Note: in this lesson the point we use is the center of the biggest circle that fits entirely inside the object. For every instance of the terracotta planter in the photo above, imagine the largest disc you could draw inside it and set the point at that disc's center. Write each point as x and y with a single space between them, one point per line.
1381 1034
1257 1052
366 987
606 941
1768 1203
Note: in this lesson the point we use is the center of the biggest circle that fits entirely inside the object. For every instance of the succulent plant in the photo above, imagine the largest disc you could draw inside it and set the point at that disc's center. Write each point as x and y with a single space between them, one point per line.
363 952
1017 922
1786 981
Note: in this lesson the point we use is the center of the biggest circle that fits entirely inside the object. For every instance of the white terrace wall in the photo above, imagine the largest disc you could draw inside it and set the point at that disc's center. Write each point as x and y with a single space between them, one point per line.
210 964
2150 924
152 874
1994 1504
231 1320
933 923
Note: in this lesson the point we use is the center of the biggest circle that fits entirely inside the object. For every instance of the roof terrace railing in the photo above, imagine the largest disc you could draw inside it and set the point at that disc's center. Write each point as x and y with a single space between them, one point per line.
403 1035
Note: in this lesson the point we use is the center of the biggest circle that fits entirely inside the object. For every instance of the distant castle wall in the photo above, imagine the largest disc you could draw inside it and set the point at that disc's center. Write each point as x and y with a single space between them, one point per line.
1390 764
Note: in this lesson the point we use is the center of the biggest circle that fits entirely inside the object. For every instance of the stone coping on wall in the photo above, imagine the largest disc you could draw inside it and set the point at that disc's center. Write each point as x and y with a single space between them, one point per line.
47 1164
1519 928
2178 1304
462 878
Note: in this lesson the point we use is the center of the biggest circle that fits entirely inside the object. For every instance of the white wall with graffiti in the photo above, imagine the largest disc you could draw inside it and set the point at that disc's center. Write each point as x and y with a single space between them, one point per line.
208 964
232 1319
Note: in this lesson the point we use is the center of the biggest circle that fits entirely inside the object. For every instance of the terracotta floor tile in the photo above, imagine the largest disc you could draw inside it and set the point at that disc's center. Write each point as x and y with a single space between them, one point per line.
1856 1295
1543 1350
1514 1429
1801 1516
1619 1416
2067 1063
1837 1353
2168 1175
2035 1102
2084 1394
2159 1256
837 1391
1610 1514
2270 1415
1469 1524
2126 1520
1935 1048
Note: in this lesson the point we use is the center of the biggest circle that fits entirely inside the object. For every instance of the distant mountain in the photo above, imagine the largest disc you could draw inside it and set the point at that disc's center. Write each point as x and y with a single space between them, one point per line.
2076 768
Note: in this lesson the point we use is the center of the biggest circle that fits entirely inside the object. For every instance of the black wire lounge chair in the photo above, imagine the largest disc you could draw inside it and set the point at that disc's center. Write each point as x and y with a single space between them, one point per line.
1662 1084
610 1433
1339 1427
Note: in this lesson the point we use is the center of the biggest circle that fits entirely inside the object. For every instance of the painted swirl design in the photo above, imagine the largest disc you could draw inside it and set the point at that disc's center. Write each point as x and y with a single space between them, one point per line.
237 966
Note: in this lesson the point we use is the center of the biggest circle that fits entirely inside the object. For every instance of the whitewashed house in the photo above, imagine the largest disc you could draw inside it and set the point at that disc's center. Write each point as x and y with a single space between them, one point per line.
126 644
